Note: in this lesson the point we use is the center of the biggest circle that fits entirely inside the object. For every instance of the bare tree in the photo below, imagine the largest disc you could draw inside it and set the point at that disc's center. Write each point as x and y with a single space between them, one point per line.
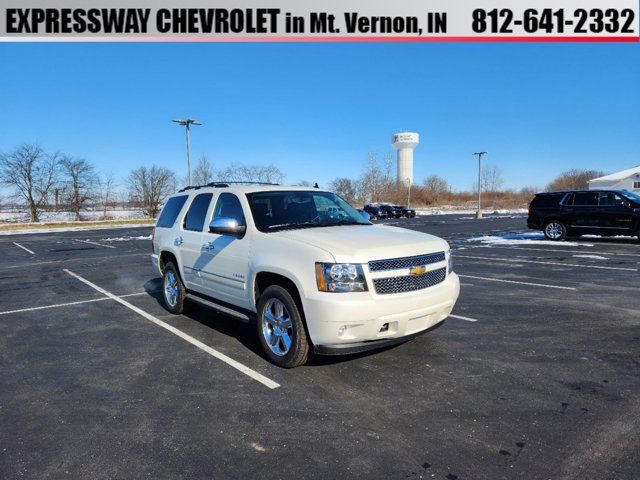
491 177
574 179
150 186
346 188
203 173
251 173
31 172
81 181
106 193
376 182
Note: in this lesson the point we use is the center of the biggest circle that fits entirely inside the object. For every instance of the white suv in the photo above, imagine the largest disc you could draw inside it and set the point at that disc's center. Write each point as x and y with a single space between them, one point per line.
304 265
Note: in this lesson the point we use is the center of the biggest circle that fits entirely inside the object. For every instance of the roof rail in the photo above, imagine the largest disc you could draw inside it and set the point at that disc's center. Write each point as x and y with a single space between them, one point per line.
223 185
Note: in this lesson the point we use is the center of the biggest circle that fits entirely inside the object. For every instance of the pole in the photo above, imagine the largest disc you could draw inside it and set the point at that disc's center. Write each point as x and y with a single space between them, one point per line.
188 152
479 212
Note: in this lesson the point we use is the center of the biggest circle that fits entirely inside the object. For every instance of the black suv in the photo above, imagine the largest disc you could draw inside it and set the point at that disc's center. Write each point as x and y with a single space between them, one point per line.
406 211
392 211
599 212
375 211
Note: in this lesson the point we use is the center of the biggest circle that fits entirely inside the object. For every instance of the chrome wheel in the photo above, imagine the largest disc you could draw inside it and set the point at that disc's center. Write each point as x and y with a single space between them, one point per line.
554 230
277 327
171 290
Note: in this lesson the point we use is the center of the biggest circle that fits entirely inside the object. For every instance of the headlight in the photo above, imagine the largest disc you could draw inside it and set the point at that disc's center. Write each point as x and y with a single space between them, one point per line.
340 277
449 262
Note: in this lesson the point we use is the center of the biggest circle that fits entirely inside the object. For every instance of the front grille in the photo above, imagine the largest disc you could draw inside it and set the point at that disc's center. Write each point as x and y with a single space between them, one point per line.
409 283
405 262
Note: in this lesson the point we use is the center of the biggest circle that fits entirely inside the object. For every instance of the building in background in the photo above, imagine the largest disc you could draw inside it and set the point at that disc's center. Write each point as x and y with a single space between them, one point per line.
625 180
405 143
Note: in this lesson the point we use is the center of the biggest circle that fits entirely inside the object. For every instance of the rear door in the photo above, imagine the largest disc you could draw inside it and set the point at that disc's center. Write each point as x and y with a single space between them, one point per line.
616 213
584 212
224 261
189 242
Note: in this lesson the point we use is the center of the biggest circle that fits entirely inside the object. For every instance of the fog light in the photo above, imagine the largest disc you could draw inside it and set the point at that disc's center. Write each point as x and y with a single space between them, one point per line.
385 328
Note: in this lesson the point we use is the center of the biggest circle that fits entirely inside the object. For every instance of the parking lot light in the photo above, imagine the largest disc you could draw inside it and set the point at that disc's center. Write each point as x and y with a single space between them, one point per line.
479 211
187 123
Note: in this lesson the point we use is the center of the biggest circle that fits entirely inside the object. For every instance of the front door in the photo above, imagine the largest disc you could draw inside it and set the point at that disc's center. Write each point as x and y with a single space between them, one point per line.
616 213
224 265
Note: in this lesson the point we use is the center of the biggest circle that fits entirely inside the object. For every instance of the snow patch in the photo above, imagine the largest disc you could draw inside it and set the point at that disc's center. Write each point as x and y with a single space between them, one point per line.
516 239
594 257
125 239
451 210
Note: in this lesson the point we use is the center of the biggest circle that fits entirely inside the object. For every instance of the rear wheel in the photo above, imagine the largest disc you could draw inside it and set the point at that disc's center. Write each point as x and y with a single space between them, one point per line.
173 290
555 230
281 329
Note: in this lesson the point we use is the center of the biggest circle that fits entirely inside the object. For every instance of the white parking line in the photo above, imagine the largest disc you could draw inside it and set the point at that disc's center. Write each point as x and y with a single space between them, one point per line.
467 319
24 248
211 351
57 305
517 260
93 243
517 282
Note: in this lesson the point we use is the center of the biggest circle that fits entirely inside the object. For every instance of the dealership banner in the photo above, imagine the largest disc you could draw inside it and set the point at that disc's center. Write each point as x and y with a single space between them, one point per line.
317 21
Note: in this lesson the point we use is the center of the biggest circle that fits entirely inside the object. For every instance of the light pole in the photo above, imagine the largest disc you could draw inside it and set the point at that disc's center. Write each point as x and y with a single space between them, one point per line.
187 123
479 212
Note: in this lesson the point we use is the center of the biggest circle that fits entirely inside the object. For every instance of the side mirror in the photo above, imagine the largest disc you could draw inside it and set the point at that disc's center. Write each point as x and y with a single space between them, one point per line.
226 226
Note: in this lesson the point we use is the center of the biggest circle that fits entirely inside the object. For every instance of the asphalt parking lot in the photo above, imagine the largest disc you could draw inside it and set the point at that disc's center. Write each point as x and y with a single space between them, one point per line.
537 376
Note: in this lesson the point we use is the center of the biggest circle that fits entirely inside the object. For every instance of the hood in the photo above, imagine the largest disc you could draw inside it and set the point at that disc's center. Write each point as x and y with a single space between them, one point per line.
363 243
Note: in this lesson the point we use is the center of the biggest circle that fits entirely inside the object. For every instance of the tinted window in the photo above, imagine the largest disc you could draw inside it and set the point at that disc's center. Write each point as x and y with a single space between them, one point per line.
547 200
228 206
170 211
610 199
197 212
585 199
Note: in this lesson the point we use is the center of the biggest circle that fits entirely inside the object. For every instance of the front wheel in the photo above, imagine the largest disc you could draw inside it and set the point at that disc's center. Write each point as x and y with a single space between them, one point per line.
281 329
555 230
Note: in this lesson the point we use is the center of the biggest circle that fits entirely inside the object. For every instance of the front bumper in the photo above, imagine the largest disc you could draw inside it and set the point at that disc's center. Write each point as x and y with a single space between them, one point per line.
336 320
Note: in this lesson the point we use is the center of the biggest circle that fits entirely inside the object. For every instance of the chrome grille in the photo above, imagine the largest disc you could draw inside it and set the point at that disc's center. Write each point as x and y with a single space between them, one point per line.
406 262
409 283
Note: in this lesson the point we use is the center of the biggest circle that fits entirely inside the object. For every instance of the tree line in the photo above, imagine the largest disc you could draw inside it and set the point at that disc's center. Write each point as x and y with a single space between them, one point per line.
40 180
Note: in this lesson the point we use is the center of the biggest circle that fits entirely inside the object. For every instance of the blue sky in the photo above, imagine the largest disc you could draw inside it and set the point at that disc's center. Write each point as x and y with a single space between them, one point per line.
315 110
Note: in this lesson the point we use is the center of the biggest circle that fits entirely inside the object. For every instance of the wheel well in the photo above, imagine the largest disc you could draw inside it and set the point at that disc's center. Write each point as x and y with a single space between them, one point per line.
266 279
166 257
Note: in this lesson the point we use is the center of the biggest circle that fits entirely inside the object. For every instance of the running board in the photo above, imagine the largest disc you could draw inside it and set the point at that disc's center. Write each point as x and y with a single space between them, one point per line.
219 308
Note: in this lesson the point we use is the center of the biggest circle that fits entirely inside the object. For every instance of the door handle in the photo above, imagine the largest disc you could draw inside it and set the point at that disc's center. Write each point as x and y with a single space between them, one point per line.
208 246
178 241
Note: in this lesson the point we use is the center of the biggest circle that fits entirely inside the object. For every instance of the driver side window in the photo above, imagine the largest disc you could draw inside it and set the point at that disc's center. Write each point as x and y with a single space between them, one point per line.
228 206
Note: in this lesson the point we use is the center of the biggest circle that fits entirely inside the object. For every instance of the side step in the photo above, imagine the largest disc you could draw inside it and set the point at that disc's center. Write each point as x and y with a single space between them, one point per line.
219 308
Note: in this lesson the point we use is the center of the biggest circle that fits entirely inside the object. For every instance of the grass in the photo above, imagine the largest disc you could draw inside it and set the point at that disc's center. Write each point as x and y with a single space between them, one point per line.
92 223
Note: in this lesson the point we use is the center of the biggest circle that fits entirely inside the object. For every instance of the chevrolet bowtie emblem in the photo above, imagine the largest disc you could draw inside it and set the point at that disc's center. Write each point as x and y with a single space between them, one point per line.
419 270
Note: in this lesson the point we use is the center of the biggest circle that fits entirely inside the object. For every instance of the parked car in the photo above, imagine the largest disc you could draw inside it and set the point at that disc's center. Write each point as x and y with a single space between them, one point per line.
310 281
406 211
575 213
391 210
375 211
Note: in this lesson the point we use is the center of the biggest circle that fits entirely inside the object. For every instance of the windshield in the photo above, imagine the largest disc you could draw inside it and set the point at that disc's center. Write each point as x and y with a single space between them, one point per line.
631 195
282 210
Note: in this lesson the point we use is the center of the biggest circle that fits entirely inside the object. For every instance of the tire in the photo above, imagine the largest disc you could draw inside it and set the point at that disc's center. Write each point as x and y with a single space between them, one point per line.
173 291
275 326
555 230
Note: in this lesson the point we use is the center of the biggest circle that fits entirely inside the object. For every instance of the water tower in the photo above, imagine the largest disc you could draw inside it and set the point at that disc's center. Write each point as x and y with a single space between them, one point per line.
405 143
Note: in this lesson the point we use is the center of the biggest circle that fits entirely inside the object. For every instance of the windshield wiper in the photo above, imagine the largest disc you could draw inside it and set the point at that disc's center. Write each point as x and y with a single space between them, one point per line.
292 225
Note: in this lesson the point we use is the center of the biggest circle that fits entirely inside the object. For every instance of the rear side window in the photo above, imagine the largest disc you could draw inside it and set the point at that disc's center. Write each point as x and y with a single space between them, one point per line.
547 200
170 211
585 199
194 220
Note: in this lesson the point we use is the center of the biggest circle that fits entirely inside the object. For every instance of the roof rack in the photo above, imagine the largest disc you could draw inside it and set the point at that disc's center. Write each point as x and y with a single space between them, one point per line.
224 185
